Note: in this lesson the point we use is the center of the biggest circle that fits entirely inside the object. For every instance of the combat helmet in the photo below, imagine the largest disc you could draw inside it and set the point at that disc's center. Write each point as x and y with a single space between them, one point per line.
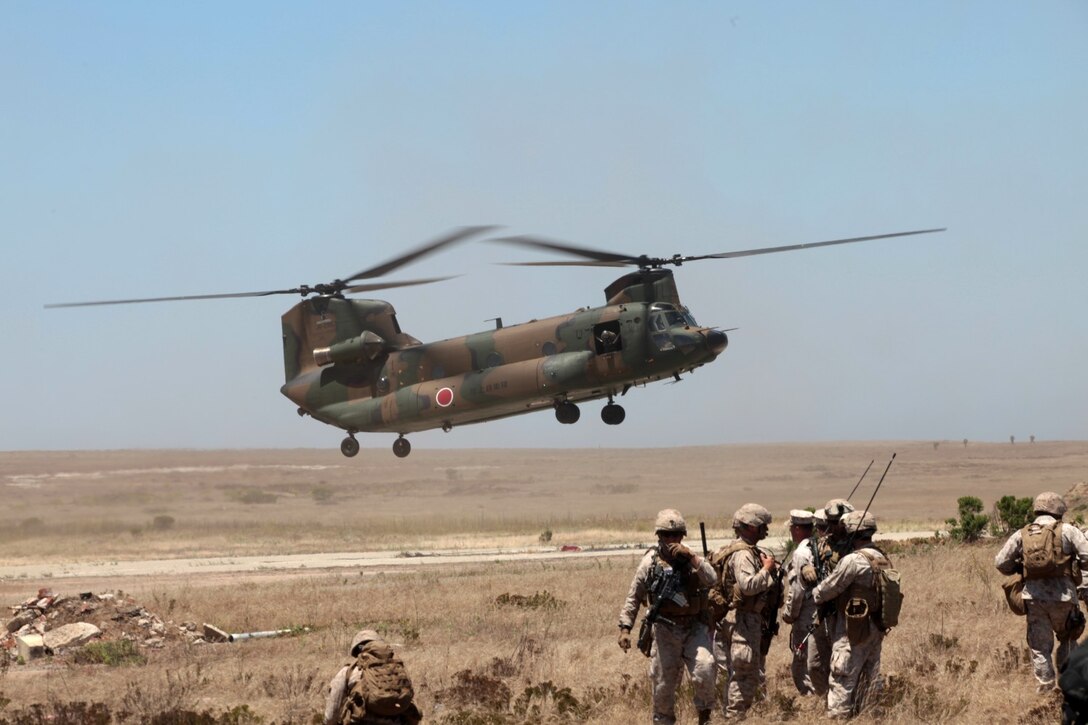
751 514
1049 502
362 637
862 522
835 508
668 521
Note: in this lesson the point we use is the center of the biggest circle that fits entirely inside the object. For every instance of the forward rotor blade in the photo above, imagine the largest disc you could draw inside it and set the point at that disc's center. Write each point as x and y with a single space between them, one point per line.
173 299
453 237
389 285
564 264
810 245
597 255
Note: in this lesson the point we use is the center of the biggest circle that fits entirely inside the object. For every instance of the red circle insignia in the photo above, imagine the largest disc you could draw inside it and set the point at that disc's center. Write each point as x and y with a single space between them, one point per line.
444 397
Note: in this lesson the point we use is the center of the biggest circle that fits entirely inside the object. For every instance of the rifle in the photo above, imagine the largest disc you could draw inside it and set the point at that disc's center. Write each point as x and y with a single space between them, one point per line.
769 627
663 590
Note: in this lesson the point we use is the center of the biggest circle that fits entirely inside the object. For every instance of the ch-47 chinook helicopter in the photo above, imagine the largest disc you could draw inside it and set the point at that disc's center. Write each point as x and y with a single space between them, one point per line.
348 363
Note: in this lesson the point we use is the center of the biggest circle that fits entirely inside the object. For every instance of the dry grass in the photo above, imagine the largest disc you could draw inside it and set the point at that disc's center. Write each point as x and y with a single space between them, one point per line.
473 652
476 656
103 505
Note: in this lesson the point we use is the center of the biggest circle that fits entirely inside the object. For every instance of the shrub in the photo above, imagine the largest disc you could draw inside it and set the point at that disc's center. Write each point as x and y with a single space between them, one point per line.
971 522
109 652
545 536
1011 514
163 523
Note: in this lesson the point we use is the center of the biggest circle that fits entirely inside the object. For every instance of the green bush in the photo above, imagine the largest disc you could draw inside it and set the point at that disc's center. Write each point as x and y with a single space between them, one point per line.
109 652
971 522
1011 514
163 523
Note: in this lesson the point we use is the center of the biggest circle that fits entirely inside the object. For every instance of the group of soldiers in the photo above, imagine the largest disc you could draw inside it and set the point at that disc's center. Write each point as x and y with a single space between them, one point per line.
710 613
718 612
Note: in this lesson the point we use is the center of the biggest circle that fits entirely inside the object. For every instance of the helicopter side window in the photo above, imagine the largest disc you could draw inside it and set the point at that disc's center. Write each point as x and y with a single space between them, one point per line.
606 337
657 322
663 341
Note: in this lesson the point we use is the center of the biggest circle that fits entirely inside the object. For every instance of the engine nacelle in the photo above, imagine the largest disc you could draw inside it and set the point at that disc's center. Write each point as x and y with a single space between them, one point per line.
363 348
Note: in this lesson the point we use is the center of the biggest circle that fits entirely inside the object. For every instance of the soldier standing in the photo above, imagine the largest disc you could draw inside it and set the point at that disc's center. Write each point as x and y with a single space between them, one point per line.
749 578
854 590
681 637
372 689
1052 573
800 610
829 549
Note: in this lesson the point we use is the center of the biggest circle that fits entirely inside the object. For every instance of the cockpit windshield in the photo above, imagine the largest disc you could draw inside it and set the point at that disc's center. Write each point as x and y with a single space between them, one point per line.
663 316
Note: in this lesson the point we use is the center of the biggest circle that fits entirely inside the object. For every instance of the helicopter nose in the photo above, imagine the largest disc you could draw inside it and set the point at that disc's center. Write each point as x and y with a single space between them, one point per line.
715 341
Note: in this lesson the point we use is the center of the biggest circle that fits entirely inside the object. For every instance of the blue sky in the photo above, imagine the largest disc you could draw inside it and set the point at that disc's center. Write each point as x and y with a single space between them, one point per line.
156 149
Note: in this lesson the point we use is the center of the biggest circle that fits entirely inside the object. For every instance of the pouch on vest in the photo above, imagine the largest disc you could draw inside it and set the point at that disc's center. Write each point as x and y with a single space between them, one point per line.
888 590
857 620
1014 594
383 687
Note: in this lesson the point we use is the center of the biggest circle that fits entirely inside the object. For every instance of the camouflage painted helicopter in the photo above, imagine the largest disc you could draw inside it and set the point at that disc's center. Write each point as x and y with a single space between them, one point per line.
348 363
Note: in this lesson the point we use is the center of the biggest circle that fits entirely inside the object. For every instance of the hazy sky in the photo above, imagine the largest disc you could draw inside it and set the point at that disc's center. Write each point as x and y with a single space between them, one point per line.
204 147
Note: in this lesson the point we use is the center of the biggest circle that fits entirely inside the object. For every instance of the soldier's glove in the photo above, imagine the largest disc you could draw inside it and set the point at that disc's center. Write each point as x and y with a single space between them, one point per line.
788 619
679 553
625 639
808 575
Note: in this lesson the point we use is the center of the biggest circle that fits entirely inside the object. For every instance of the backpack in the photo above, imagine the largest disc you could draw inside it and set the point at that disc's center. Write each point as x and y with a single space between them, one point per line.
888 591
383 688
1042 551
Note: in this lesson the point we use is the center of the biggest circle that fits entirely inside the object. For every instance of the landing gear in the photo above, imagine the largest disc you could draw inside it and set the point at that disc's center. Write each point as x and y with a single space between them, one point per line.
613 414
401 447
349 446
567 412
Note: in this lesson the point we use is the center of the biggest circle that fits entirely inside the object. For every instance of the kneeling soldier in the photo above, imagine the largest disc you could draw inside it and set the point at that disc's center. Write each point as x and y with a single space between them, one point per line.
372 689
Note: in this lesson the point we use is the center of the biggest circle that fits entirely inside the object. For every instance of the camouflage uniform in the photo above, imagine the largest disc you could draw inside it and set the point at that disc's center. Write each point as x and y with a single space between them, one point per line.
1049 602
855 665
738 644
828 549
347 677
800 611
681 637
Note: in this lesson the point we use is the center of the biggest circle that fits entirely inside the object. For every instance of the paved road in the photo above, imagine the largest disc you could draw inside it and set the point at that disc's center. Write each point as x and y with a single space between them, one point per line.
373 560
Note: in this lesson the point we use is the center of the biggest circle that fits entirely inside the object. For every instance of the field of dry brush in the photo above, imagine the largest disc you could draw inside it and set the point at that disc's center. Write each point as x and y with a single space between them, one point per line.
496 642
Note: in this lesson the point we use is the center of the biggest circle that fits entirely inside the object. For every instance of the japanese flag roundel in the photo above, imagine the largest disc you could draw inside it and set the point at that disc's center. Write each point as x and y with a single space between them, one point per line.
444 397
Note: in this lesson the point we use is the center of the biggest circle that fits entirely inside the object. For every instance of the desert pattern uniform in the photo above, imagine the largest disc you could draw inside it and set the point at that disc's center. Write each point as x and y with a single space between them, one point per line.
856 642
828 549
799 609
745 584
1051 602
681 637
343 706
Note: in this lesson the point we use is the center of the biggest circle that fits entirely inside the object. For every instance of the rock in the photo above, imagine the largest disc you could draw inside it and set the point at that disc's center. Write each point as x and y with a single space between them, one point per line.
214 634
22 619
29 646
70 635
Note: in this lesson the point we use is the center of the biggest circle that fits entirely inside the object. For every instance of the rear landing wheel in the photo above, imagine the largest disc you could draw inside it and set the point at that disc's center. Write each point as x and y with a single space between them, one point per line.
349 446
613 414
401 447
567 412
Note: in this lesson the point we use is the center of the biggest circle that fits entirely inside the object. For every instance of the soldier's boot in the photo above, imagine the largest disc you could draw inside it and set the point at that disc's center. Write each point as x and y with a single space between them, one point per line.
704 717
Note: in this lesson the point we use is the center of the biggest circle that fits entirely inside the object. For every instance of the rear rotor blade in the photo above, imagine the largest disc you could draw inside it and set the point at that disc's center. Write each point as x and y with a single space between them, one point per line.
453 237
179 297
371 287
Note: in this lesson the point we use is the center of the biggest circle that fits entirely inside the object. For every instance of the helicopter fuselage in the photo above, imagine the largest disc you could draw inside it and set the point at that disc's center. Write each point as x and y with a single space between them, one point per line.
349 365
